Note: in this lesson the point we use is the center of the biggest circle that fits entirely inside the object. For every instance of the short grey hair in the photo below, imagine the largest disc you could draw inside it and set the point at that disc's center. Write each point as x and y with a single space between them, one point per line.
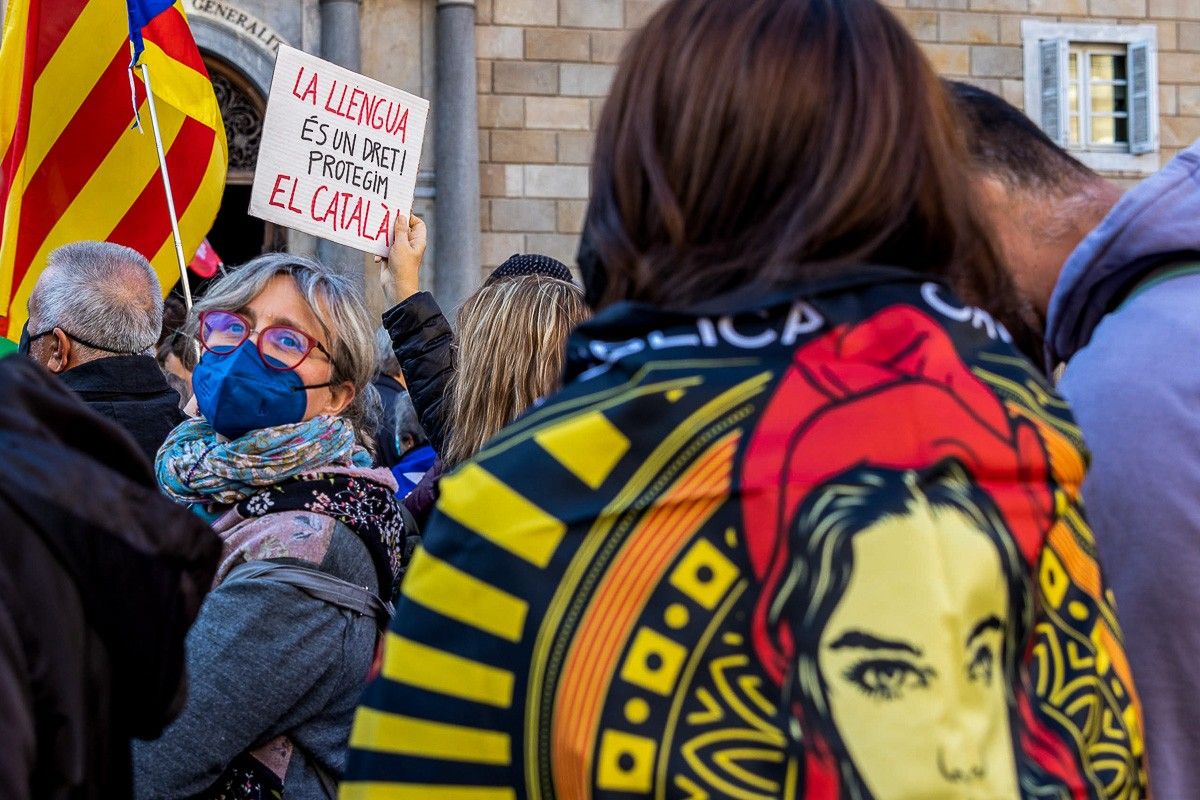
103 292
385 354
407 422
339 308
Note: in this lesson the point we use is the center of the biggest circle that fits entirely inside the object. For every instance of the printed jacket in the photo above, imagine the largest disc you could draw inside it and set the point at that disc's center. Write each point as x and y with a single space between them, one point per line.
824 544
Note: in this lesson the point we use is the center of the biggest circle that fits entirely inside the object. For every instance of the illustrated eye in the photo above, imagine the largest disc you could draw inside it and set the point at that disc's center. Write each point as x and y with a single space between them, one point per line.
888 679
982 666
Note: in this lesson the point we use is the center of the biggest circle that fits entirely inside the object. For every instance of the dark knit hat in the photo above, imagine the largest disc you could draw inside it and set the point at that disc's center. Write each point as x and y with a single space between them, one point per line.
530 264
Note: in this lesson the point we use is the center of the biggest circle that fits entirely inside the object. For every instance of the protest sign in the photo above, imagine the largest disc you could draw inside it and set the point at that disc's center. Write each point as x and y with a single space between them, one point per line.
339 153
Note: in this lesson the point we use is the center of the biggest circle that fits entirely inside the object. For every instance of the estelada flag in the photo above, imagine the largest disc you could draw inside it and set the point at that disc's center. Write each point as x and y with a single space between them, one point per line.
76 161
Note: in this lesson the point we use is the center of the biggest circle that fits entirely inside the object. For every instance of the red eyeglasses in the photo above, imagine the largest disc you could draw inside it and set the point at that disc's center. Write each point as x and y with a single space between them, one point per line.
280 347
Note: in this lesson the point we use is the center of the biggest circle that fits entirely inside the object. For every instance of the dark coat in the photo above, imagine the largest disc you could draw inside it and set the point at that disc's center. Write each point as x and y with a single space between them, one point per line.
100 578
424 344
132 392
424 496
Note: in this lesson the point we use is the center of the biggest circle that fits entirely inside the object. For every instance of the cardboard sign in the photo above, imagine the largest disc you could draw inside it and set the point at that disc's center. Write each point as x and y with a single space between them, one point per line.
339 153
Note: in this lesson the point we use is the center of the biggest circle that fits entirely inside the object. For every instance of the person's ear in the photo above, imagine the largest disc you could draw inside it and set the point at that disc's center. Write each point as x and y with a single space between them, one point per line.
341 395
60 352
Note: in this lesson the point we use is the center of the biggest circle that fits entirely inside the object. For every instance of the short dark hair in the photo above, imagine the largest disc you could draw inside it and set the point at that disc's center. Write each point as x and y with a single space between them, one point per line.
1005 143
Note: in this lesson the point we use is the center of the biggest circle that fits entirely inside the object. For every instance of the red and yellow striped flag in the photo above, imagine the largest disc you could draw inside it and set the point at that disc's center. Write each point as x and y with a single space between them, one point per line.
72 163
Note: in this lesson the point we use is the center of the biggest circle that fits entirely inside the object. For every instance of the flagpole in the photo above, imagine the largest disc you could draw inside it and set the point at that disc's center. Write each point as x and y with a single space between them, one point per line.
162 165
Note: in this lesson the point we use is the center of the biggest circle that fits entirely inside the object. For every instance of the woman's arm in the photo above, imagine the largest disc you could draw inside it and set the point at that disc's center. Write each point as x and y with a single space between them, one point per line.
257 662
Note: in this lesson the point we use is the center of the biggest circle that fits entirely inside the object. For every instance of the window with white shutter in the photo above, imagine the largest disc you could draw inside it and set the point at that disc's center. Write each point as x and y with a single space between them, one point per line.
1052 70
1094 90
1141 133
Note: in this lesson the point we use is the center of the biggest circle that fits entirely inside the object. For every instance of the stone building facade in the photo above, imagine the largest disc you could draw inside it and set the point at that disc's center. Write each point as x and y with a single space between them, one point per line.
1117 80
544 68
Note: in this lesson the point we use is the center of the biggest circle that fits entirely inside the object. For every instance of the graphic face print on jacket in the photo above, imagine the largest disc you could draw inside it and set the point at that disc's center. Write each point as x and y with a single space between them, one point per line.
900 648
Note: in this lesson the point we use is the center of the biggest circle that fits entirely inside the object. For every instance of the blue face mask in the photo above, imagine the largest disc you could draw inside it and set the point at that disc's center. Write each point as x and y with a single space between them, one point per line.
238 393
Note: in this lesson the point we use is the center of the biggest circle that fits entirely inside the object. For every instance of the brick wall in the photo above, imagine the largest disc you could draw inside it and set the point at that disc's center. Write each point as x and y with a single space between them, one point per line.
545 66
980 41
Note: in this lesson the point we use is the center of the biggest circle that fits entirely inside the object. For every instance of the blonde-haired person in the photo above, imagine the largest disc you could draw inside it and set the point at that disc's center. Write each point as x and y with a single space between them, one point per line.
509 353
512 338
312 535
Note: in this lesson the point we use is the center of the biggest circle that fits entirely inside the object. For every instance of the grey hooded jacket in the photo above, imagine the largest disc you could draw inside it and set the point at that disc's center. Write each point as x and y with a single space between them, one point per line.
1125 318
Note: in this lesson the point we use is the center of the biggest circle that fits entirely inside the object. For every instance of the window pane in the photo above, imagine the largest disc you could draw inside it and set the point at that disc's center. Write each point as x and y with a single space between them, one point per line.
1107 67
1073 66
1110 130
1107 98
1076 138
1073 98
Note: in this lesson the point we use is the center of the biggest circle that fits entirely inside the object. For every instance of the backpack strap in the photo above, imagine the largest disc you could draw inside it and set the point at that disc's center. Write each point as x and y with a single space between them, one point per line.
330 589
1162 276
318 584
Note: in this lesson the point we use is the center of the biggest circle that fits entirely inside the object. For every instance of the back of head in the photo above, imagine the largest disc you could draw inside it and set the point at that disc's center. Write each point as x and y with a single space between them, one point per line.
1041 202
385 355
762 141
102 292
511 351
408 424
1006 144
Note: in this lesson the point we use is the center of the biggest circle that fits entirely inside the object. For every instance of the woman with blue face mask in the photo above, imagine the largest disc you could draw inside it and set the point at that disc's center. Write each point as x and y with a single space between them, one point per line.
313 537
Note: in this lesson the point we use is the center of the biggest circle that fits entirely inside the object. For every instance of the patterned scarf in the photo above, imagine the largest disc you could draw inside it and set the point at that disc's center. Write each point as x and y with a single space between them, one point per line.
353 498
195 466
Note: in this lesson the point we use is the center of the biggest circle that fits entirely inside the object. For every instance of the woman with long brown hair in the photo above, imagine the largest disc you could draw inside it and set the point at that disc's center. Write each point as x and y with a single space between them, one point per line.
802 521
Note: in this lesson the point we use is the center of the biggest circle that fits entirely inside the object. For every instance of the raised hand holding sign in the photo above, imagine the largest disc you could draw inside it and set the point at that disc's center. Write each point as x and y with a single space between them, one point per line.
339 154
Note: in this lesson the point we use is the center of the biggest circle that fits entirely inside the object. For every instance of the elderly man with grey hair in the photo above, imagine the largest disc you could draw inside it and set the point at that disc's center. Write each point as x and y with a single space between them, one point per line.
94 319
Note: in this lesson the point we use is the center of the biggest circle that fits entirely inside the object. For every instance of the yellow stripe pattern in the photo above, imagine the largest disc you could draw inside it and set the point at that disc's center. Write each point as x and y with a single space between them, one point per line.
381 732
421 791
453 593
424 667
16 20
60 90
475 499
587 445
86 50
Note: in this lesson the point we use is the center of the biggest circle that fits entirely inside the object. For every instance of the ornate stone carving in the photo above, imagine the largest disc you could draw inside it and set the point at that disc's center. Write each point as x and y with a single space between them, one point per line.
242 113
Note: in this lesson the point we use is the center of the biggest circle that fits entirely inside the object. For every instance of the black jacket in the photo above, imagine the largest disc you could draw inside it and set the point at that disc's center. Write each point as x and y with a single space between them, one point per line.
424 347
100 578
132 392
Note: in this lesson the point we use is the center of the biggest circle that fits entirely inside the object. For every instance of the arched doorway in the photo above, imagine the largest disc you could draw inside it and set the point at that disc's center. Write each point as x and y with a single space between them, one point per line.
236 236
